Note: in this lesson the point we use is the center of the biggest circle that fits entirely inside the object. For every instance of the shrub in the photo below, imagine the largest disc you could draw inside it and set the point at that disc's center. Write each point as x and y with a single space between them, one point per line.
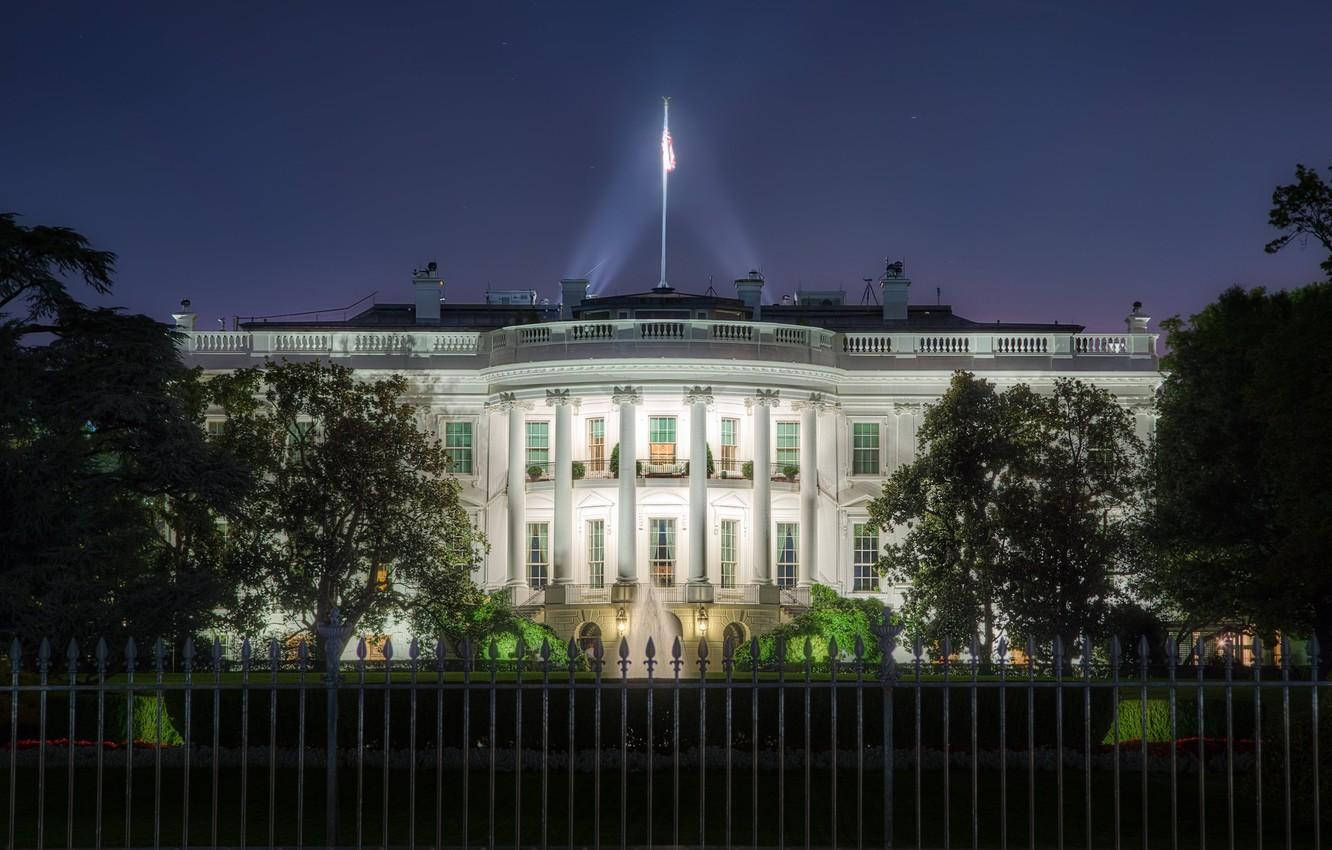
579 470
534 472
614 464
143 725
790 471
747 469
830 616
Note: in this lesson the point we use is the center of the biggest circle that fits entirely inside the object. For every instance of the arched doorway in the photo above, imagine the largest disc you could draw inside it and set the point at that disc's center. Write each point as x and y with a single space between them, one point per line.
738 634
587 636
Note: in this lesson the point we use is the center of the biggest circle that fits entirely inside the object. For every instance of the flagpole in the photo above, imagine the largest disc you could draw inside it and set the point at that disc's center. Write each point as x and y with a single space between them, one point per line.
665 172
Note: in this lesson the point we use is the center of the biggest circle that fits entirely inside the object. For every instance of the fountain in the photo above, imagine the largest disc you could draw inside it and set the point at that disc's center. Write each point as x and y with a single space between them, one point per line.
648 619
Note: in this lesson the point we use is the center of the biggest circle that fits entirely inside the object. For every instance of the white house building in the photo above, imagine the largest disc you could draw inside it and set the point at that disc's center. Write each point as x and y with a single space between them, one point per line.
714 454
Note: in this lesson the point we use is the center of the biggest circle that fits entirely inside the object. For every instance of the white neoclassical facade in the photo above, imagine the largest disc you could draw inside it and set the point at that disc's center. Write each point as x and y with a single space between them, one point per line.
716 452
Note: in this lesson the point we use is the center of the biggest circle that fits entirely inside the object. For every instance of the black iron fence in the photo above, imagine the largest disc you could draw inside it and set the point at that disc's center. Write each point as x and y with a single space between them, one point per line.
762 744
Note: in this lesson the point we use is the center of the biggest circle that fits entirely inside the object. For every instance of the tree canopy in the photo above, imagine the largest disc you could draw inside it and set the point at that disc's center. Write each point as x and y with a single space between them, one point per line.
1017 514
1241 520
107 513
1303 209
352 506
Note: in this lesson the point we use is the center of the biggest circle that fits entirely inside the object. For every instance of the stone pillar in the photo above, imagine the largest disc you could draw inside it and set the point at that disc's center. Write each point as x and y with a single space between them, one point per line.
517 489
626 561
562 534
762 401
809 487
698 399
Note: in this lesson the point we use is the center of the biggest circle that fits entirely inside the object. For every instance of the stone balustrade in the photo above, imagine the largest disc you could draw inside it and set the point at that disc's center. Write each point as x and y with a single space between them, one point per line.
754 340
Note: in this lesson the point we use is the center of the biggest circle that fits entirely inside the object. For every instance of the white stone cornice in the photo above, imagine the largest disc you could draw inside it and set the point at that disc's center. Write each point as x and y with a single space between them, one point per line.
909 408
698 395
506 402
626 395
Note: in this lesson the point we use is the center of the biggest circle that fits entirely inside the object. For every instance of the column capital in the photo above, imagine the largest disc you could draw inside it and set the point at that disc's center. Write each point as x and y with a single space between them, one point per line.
560 398
626 395
816 402
698 395
764 398
508 401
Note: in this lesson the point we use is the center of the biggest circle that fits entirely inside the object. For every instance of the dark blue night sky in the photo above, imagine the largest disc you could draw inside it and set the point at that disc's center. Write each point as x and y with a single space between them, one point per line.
1035 161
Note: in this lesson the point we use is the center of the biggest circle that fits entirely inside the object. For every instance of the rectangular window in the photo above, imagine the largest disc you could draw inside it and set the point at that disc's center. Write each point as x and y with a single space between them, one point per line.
538 554
788 553
303 434
865 448
730 445
538 447
217 427
596 446
596 552
788 446
458 446
661 551
661 440
864 557
728 535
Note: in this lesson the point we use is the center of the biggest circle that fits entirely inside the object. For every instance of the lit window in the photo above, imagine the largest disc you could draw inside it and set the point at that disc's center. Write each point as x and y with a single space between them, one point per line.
538 447
661 552
865 448
381 579
730 445
596 446
596 552
217 427
661 440
458 447
728 527
788 553
538 554
864 557
788 445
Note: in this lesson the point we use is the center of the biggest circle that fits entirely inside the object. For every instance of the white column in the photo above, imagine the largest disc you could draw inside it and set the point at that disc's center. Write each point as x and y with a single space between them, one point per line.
698 399
809 487
626 562
763 399
517 501
562 534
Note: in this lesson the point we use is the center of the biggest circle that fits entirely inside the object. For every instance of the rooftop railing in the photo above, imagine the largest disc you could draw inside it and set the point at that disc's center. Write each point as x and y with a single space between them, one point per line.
754 339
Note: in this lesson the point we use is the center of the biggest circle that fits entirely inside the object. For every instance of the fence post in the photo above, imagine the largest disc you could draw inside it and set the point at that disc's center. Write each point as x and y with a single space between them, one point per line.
334 638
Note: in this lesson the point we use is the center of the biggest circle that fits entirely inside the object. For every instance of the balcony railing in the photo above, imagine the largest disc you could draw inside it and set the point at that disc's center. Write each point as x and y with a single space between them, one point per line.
796 343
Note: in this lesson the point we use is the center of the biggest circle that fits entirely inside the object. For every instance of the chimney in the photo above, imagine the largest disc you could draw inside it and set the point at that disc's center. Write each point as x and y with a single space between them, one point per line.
429 286
749 289
895 285
572 292
184 319
1136 322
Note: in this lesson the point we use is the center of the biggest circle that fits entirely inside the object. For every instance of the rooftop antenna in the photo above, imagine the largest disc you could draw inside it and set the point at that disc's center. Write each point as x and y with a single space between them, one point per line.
868 295
938 295
710 291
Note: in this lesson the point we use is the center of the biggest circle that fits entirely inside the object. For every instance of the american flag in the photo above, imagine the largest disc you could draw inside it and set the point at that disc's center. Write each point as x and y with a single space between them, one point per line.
667 151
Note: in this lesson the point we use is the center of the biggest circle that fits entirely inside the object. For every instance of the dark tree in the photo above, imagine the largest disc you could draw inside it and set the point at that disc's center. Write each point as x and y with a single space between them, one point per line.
110 490
1242 513
1304 209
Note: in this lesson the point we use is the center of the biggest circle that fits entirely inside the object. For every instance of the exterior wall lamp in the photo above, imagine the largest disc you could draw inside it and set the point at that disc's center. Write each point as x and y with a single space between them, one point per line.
621 622
701 622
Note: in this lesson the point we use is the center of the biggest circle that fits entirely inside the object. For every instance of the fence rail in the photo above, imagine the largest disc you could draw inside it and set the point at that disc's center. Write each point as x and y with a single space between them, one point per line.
831 746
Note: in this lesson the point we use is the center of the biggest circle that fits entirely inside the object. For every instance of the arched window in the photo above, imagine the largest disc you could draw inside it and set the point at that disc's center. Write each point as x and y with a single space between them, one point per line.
588 635
738 635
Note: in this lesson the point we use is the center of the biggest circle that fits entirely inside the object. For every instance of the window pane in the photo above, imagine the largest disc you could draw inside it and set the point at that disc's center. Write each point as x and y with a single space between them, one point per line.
661 551
728 432
788 445
596 552
865 556
865 448
727 548
458 446
788 553
538 553
661 429
538 445
596 446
